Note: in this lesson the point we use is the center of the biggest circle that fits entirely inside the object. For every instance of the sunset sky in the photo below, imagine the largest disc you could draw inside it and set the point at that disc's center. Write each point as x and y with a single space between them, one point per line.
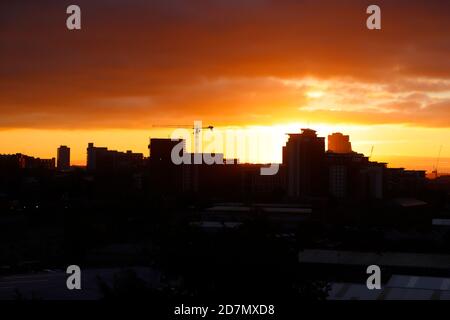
260 66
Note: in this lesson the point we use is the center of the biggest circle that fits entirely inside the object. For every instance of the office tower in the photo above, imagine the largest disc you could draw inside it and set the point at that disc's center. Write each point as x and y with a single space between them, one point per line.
63 161
339 143
304 157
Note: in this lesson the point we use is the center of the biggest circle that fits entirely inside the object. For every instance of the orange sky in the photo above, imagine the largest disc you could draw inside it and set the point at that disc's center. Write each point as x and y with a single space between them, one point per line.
274 65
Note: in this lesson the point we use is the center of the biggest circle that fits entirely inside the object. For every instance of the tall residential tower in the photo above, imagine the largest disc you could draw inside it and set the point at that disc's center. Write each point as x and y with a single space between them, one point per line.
63 161
304 157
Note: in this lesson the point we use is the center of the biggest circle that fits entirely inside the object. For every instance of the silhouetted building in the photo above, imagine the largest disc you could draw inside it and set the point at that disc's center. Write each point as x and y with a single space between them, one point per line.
345 174
304 157
339 143
353 177
221 179
161 149
401 182
440 183
21 161
263 187
165 175
283 217
63 159
11 161
189 173
374 180
102 159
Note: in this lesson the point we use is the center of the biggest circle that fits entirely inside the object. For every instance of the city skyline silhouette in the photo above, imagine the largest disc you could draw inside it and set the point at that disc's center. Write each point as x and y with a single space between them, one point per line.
413 163
186 155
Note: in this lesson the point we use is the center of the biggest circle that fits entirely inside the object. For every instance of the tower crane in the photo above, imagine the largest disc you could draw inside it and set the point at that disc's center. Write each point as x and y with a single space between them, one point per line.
435 171
197 128
371 152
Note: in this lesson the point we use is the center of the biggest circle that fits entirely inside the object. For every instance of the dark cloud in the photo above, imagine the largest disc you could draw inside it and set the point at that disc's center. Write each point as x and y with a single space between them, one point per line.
136 62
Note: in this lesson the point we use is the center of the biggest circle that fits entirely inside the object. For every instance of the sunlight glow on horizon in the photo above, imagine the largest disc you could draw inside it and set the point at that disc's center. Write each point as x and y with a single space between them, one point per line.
263 144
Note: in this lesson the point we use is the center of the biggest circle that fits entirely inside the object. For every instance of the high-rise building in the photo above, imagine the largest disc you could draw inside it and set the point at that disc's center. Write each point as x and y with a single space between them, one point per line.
304 156
186 174
161 149
102 159
63 158
345 175
165 175
339 143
